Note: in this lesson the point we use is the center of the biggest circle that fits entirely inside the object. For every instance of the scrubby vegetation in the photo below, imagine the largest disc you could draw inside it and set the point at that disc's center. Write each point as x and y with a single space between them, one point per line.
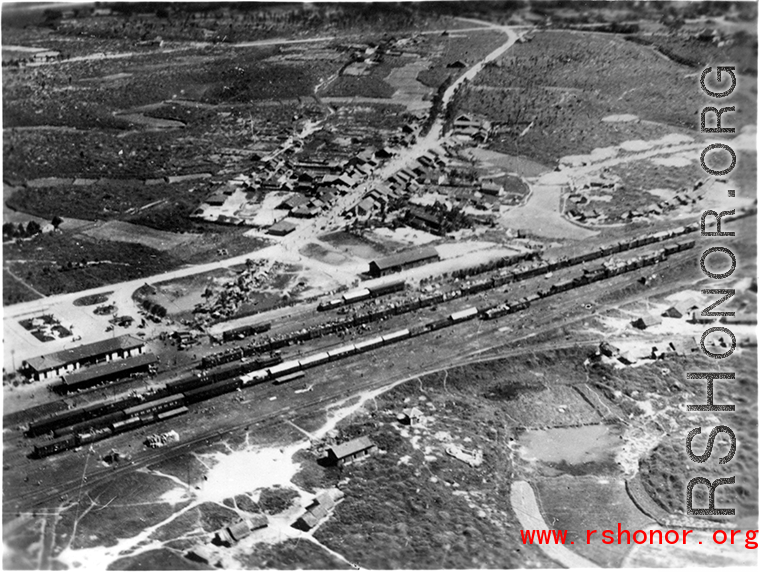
667 469
549 106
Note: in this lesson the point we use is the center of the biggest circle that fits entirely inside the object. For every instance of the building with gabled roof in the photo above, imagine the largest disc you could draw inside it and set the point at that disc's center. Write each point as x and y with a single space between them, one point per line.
647 321
282 228
318 510
241 529
348 452
411 416
402 261
681 309
56 364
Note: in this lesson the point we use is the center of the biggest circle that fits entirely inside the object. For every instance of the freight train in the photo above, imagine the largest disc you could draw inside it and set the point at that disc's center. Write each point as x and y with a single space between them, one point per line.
428 300
81 416
100 419
362 294
131 418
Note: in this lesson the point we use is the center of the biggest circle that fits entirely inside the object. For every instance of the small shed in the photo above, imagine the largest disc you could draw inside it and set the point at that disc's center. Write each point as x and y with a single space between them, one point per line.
412 416
608 350
346 453
645 322
318 510
680 309
282 228
626 358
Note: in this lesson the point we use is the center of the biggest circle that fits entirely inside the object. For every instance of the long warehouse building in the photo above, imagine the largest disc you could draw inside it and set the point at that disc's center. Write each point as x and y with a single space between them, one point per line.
399 262
57 364
108 371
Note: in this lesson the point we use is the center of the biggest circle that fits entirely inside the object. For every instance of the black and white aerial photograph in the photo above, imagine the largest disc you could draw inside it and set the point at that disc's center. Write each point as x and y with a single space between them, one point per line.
379 285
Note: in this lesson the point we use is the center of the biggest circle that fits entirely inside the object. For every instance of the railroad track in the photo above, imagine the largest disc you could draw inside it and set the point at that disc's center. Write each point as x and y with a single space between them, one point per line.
38 503
457 360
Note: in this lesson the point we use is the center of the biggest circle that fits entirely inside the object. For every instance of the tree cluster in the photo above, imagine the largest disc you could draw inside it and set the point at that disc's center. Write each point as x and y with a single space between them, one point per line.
11 230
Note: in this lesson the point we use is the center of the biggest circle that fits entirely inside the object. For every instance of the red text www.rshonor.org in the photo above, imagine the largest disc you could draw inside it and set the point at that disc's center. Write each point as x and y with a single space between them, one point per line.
622 536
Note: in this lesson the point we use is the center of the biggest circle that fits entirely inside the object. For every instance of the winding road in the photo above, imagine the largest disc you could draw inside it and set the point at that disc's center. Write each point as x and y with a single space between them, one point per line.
286 250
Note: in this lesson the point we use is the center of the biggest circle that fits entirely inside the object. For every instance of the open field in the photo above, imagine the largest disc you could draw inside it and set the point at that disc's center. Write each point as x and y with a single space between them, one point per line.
552 108
14 291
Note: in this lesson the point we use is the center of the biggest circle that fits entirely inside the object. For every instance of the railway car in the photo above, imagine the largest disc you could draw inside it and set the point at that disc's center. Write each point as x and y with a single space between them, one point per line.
417 330
49 424
57 446
678 231
367 345
255 377
438 324
387 288
329 305
561 286
274 345
185 383
532 298
314 360
208 391
396 336
341 352
436 298
671 249
497 311
356 296
156 405
519 305
125 425
172 413
463 315
289 378
94 435
528 273
284 368
90 424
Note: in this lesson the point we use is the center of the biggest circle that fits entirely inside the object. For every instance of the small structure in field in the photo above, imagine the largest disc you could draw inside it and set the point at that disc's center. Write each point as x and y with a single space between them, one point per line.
318 510
680 309
645 322
239 530
412 416
346 453
282 228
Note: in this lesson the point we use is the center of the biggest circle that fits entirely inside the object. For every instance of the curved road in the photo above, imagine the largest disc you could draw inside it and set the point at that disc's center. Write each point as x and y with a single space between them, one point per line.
525 506
286 250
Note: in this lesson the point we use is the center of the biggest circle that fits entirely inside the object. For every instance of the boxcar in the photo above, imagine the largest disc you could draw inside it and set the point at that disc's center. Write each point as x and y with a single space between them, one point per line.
341 352
314 360
368 344
154 406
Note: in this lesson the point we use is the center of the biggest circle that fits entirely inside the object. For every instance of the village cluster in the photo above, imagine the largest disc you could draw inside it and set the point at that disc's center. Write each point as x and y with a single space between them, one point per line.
438 192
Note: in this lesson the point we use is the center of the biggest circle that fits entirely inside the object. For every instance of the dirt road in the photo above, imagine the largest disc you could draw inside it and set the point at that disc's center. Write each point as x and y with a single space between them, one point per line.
525 505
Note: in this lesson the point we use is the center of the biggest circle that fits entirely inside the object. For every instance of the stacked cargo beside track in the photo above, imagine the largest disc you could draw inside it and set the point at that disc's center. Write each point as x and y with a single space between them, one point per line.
242 332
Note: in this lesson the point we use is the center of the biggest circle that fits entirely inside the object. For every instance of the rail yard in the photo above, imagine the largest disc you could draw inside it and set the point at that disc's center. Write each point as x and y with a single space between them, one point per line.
368 286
